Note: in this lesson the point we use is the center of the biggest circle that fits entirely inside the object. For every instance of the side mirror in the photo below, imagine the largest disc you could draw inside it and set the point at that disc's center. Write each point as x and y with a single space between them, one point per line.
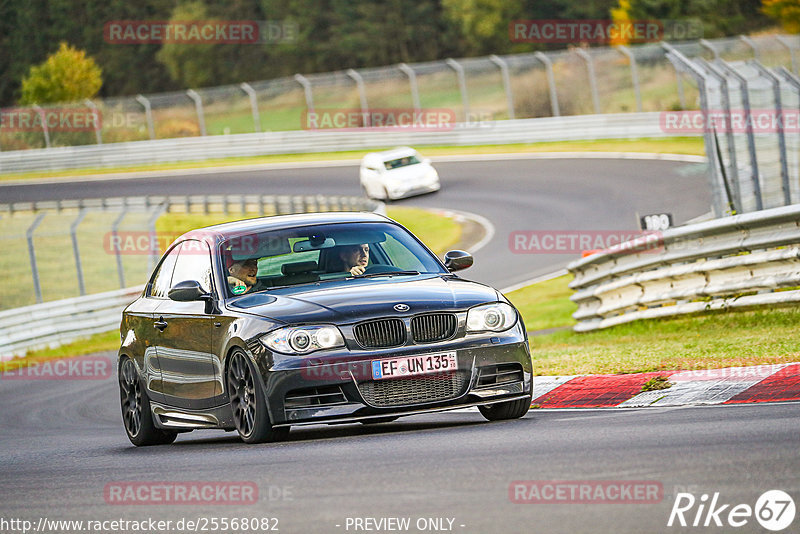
426 161
456 260
187 291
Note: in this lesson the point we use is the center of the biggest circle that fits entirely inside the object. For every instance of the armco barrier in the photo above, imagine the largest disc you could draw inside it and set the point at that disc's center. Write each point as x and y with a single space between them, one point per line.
579 127
740 261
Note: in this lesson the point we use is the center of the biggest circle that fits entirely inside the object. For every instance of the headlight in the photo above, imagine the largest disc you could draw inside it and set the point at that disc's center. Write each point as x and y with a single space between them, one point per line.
491 318
303 339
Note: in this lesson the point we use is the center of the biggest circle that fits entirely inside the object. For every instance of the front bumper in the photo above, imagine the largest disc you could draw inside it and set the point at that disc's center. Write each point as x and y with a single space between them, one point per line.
337 389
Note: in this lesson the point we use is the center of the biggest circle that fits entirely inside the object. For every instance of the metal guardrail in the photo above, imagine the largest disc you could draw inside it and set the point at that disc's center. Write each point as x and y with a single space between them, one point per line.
579 127
740 261
54 323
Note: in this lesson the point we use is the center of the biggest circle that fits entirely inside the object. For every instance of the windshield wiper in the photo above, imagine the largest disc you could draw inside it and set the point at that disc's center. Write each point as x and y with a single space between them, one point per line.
388 273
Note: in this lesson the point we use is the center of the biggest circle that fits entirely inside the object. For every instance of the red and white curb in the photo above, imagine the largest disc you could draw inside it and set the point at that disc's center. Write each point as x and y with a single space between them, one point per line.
732 385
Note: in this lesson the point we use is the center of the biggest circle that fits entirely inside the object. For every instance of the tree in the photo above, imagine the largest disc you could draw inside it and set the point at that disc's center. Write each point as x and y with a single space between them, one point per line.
191 65
787 12
483 24
67 75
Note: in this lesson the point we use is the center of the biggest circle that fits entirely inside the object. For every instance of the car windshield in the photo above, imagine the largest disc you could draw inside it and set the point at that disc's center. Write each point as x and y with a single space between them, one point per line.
401 162
262 261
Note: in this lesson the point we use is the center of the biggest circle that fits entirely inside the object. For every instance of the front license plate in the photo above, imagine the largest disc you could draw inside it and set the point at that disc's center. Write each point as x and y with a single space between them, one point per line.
414 365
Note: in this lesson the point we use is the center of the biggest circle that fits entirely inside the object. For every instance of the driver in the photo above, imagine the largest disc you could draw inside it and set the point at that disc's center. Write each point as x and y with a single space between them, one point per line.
354 258
242 275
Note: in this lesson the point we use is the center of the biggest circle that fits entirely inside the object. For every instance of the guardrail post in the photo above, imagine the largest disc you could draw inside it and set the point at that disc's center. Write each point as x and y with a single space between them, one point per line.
551 82
751 146
776 95
462 85
148 115
362 95
412 80
198 104
752 44
307 90
789 46
634 75
251 93
583 54
115 237
500 62
73 232
37 288
45 127
98 130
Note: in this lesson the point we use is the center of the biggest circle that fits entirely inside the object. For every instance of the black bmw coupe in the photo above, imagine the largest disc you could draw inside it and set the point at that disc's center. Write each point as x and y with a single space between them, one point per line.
263 324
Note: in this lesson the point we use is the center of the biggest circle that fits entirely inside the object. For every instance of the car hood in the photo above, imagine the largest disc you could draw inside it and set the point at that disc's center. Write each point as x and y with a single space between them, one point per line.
354 300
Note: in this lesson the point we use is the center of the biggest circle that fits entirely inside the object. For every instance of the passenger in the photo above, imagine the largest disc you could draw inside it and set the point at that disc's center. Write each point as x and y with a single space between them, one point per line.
242 275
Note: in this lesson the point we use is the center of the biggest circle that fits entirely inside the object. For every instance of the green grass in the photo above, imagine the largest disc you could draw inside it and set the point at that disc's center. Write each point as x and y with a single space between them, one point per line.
703 341
438 232
546 304
675 145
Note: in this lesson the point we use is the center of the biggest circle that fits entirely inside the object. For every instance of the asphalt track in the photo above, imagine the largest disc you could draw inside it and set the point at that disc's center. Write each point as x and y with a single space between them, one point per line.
515 195
62 442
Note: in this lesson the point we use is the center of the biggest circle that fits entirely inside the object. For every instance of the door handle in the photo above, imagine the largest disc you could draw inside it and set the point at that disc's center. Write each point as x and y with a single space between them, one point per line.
161 324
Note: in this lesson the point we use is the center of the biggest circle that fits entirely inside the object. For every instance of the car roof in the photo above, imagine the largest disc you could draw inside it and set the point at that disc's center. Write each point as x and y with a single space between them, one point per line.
221 231
388 155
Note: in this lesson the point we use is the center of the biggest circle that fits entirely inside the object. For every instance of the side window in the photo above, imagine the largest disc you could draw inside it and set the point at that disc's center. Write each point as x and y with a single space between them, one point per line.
163 278
194 263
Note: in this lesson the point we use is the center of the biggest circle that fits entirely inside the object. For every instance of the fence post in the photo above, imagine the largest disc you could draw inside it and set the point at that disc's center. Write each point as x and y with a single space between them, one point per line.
98 129
462 85
73 232
789 46
155 253
592 79
307 90
551 82
677 59
37 288
45 127
412 80
751 146
198 104
752 44
705 43
148 115
776 95
251 93
634 75
362 95
115 236
500 62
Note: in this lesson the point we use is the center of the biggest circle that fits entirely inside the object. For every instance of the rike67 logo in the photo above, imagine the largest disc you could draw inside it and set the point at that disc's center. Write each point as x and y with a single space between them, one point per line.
774 510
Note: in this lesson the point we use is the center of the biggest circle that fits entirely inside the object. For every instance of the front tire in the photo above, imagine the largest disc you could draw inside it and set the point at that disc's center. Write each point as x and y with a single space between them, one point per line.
506 410
136 415
248 402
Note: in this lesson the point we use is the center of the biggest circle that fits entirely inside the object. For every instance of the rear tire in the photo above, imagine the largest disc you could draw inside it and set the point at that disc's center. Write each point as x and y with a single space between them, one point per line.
506 410
136 414
248 402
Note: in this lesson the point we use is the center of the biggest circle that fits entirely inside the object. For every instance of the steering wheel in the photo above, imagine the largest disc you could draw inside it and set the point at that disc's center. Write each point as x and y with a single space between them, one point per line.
378 268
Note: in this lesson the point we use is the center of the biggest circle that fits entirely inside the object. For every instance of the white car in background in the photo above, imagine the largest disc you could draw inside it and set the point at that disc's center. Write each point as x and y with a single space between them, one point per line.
397 173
